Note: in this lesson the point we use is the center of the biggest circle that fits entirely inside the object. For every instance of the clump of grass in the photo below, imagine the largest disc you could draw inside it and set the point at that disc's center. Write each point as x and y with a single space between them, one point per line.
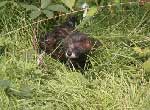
115 81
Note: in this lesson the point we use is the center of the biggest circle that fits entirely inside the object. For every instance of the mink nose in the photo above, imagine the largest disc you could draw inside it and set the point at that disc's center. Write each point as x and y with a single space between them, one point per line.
69 53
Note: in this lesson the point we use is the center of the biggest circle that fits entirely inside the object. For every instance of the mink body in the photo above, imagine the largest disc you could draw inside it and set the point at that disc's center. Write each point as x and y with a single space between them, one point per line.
67 46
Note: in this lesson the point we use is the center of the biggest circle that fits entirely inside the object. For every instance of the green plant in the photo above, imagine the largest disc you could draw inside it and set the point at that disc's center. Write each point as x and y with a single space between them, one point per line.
116 81
4 3
48 8
144 54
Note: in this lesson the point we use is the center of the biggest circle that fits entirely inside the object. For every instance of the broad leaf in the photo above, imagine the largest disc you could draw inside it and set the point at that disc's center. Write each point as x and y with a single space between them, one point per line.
142 52
79 3
138 50
4 84
30 7
92 11
146 66
3 3
25 91
147 6
69 3
19 93
45 3
48 13
57 7
117 1
34 14
146 52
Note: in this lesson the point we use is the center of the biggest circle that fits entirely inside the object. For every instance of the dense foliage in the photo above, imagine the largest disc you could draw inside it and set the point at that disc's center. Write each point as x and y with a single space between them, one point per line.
118 79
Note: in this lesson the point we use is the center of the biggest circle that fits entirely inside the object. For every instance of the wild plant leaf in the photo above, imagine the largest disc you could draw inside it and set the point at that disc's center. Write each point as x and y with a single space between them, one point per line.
69 3
34 14
4 84
79 3
146 66
45 3
92 11
30 7
25 91
146 52
3 3
57 7
137 50
2 41
117 1
147 6
142 52
19 93
48 13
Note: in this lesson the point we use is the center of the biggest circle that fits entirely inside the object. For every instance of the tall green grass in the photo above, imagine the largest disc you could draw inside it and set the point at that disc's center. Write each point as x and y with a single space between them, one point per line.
116 80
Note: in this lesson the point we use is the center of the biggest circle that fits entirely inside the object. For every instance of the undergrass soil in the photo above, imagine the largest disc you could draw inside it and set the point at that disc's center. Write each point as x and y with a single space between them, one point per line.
116 81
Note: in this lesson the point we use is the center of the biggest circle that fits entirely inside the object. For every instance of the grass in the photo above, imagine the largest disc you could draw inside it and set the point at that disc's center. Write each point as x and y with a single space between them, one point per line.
116 81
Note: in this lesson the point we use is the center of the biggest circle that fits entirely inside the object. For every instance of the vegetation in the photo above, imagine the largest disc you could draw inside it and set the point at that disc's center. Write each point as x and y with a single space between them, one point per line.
118 79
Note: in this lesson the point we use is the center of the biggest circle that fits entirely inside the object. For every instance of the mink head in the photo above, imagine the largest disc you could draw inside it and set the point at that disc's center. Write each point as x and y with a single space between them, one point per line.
77 45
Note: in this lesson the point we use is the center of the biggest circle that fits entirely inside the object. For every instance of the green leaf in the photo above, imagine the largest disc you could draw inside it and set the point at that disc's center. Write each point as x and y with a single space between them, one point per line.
79 3
117 1
4 84
30 7
146 66
57 7
3 3
34 14
48 13
137 50
146 52
92 11
45 3
147 5
142 52
25 91
69 3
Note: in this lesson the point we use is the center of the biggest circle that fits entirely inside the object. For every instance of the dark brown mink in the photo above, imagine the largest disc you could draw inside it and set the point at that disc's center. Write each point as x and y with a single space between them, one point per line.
67 46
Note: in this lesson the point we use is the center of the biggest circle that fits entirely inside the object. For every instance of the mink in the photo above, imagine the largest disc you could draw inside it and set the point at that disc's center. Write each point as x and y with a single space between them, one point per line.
67 45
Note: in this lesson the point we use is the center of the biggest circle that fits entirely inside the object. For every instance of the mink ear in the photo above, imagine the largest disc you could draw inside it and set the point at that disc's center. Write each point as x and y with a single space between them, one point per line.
87 45
95 43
